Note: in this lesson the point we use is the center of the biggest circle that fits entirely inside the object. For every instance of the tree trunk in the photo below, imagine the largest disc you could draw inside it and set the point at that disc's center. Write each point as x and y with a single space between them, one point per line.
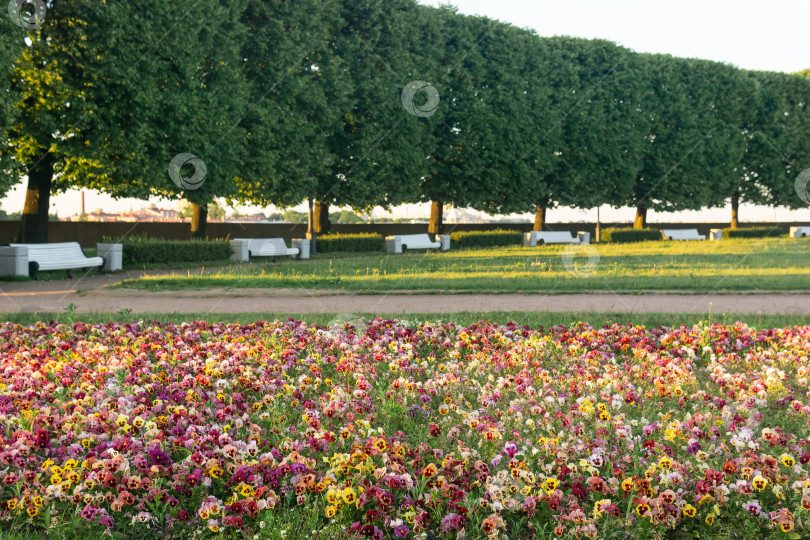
312 234
540 217
322 223
34 222
735 209
436 224
641 218
199 220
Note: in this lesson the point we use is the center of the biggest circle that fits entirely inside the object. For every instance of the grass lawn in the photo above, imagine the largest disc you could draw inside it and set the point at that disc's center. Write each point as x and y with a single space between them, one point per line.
777 264
533 319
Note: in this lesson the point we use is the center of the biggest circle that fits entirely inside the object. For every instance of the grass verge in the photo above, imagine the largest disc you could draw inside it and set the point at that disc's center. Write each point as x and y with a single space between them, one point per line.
533 319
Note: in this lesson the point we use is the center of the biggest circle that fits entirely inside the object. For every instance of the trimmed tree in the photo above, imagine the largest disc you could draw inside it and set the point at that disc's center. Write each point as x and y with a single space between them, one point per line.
460 131
103 107
12 44
291 70
600 151
788 96
374 159
46 83
166 120
691 150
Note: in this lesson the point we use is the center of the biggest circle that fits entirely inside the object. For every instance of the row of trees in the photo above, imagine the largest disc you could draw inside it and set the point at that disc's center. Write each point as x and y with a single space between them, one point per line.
303 99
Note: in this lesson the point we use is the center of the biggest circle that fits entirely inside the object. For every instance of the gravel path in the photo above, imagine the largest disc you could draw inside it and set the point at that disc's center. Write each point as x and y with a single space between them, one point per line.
88 294
55 296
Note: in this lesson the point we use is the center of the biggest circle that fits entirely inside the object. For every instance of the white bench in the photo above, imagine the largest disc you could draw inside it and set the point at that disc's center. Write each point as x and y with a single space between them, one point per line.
58 256
531 239
682 234
402 242
799 232
266 247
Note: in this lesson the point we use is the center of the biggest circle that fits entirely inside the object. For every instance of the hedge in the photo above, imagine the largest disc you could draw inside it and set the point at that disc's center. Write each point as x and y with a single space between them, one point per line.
497 237
142 250
753 232
356 243
624 235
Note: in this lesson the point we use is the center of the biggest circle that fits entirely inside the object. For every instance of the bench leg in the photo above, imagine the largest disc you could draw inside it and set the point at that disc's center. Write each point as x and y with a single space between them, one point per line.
70 274
33 269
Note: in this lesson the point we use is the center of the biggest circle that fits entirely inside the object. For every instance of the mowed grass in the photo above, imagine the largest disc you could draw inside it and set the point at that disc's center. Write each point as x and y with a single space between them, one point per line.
774 264
533 319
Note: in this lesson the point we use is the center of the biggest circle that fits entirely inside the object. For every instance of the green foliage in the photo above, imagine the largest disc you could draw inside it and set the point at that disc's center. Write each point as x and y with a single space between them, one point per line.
298 90
15 216
102 112
782 126
144 250
215 210
345 216
498 237
293 216
461 318
624 235
464 139
753 232
357 243
11 45
600 146
690 121
289 100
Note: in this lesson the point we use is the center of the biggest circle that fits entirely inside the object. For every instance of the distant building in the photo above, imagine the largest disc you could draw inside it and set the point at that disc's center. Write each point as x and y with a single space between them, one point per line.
152 213
98 215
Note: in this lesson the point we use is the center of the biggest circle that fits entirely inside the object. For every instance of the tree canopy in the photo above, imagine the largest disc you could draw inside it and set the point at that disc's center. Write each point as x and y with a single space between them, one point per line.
359 103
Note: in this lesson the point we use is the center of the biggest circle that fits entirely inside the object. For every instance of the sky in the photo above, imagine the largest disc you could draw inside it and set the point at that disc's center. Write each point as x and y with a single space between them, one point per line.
751 34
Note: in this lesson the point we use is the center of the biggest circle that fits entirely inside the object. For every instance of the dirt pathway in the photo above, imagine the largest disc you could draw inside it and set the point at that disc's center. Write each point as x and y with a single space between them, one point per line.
55 296
89 295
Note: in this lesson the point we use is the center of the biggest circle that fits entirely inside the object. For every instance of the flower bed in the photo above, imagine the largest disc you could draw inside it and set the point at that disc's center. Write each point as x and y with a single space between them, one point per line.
287 430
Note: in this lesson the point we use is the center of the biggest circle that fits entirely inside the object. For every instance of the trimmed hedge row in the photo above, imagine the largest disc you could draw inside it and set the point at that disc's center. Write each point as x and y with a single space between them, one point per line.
497 237
356 243
142 250
753 232
624 235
